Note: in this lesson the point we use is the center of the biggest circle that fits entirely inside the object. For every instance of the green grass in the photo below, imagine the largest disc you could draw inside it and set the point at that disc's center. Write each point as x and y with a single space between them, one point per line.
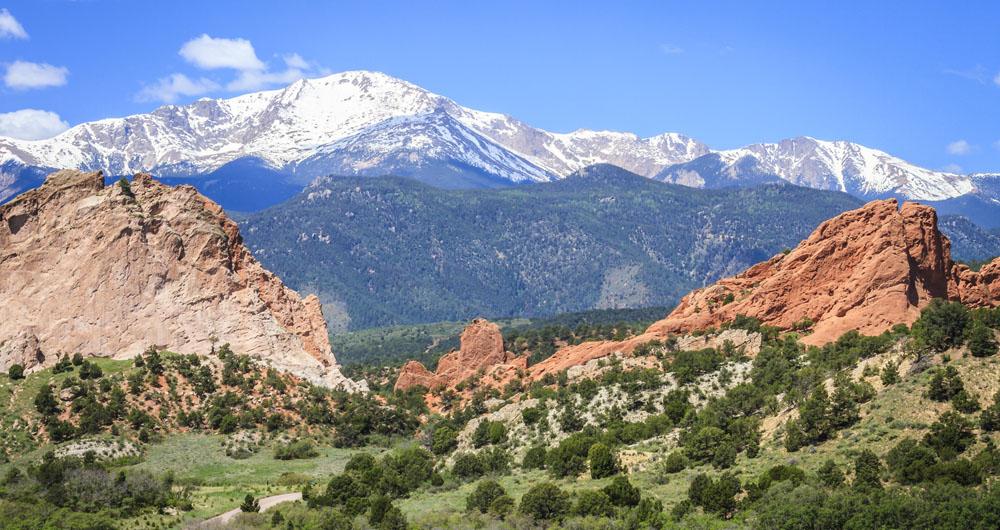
201 459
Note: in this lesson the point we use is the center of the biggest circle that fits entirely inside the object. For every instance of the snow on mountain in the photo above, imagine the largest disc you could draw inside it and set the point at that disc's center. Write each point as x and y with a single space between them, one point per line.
430 147
311 119
987 186
369 123
839 165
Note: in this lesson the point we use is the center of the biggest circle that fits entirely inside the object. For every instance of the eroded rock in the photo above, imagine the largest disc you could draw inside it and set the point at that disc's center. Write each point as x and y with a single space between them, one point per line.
866 269
112 270
481 352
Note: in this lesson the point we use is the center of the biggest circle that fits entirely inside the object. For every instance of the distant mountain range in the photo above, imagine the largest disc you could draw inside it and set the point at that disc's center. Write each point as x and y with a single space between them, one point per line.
382 251
369 124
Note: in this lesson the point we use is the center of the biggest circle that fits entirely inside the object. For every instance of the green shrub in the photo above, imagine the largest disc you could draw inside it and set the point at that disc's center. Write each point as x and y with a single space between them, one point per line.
910 461
941 325
867 471
989 420
980 339
444 441
593 503
534 458
715 496
890 374
249 505
468 465
603 461
501 506
15 372
297 450
483 496
675 462
489 433
830 475
950 435
622 492
945 384
545 502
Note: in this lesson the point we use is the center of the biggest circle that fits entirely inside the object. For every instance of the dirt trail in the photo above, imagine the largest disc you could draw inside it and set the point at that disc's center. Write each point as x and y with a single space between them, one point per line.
266 503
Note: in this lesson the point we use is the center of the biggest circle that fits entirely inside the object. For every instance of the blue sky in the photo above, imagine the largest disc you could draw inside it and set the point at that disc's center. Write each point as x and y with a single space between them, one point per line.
920 80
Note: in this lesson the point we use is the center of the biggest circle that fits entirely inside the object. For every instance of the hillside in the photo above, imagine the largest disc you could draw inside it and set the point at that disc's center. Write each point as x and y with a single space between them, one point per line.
388 251
727 421
391 251
883 430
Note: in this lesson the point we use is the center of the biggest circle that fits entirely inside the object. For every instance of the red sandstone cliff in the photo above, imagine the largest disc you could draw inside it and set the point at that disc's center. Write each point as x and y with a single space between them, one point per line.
866 269
92 269
481 349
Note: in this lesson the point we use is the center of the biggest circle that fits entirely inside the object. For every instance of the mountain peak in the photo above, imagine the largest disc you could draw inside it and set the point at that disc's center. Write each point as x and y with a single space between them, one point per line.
363 122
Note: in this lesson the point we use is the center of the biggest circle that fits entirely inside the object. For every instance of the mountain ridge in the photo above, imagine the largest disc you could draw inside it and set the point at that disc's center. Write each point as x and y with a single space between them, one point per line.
370 124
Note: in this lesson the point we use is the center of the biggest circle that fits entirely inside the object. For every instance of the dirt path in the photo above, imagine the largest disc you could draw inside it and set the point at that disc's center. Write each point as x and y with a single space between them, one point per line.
266 503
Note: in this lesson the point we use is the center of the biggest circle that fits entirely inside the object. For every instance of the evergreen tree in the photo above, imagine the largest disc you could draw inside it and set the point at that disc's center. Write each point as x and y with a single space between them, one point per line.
980 339
890 374
45 401
250 504
603 461
867 469
941 324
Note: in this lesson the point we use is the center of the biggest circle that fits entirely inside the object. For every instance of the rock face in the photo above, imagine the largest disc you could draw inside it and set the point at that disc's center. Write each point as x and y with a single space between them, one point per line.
22 349
111 270
481 349
866 269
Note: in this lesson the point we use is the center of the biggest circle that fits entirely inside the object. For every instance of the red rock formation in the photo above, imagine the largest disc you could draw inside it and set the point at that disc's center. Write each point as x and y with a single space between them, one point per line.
866 269
481 351
105 271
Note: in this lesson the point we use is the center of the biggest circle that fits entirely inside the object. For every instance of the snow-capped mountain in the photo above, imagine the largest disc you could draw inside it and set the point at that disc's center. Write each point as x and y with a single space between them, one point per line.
843 166
352 122
987 185
368 123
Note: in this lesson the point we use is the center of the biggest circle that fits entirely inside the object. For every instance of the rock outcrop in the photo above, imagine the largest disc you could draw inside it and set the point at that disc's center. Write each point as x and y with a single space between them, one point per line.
867 269
481 352
109 271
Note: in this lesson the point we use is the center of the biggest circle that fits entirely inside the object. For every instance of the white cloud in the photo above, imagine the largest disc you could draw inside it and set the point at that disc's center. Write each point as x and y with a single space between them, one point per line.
959 147
996 79
24 75
209 53
977 73
952 168
31 124
996 144
670 49
10 28
294 60
295 68
169 89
